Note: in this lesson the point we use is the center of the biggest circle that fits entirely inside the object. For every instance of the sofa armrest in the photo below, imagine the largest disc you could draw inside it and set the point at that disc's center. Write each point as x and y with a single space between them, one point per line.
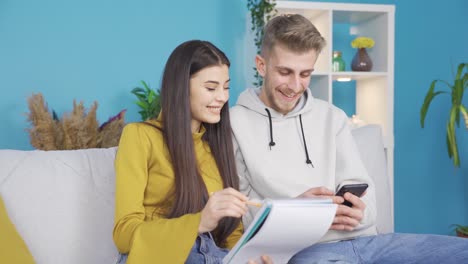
371 148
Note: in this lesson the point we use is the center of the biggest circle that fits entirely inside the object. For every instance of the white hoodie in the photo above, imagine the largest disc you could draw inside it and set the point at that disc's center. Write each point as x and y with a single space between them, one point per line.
281 170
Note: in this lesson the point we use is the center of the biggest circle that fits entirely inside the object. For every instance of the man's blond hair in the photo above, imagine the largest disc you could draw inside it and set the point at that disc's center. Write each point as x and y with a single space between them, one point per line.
294 32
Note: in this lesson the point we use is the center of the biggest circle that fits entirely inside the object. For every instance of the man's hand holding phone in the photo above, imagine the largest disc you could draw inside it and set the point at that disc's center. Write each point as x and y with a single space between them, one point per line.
350 213
322 192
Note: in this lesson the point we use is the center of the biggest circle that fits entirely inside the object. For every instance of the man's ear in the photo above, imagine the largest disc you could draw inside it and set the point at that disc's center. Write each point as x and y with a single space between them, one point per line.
261 65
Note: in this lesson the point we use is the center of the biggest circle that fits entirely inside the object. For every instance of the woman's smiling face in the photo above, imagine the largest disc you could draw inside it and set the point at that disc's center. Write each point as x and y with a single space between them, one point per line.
209 91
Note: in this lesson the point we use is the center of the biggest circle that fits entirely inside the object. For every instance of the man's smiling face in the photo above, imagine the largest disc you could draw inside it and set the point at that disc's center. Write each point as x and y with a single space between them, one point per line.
286 74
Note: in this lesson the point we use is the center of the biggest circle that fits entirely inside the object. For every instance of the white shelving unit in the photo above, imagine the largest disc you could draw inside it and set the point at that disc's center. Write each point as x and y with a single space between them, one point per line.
374 90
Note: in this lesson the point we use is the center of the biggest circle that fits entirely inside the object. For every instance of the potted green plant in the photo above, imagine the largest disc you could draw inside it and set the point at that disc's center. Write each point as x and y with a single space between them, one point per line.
461 231
456 91
148 101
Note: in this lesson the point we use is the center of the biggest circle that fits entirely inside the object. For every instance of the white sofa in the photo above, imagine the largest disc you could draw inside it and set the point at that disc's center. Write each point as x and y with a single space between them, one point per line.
62 202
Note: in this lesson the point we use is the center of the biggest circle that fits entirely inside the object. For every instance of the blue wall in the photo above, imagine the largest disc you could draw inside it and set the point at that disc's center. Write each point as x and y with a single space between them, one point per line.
99 50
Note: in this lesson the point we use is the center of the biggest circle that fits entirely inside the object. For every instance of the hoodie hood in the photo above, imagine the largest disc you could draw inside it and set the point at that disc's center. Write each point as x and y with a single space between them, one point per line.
250 100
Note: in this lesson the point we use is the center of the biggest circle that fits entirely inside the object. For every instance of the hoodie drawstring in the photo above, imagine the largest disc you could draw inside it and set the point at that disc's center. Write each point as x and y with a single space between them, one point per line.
272 143
308 161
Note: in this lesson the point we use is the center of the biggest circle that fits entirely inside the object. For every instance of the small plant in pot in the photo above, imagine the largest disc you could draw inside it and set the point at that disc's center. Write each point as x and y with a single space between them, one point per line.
461 231
148 101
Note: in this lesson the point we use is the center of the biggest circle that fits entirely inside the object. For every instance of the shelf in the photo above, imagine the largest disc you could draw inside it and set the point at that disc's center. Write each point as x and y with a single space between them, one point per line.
349 17
358 75
369 94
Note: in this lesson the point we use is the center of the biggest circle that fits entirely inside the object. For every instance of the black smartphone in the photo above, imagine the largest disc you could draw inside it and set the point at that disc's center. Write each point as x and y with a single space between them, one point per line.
356 189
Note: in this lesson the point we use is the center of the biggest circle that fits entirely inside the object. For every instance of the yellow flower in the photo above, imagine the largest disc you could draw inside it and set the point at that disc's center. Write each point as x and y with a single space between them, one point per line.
362 42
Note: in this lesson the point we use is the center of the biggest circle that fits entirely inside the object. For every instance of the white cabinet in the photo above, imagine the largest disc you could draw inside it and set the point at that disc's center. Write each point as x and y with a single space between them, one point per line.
373 90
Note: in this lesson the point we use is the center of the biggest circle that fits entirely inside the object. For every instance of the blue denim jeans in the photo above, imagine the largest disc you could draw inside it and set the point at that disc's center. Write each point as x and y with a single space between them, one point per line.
388 248
203 251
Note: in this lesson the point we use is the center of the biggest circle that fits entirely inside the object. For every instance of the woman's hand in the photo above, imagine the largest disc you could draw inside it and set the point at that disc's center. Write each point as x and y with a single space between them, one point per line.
265 260
227 202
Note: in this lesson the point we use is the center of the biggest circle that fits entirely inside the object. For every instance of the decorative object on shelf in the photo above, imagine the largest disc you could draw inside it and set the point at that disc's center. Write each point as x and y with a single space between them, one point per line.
338 62
361 60
76 130
260 12
457 88
149 101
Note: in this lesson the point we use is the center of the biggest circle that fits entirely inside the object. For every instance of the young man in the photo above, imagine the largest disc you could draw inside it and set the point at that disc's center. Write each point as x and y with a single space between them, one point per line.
290 144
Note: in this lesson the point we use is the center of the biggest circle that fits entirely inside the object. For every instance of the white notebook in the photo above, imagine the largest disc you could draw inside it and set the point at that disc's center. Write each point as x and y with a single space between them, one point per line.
281 228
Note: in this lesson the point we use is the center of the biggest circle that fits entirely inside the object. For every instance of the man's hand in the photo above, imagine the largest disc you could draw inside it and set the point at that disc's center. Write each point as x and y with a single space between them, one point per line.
347 218
322 192
227 202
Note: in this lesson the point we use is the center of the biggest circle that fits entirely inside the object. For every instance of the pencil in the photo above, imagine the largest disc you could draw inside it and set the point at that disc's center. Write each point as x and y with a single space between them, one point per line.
251 203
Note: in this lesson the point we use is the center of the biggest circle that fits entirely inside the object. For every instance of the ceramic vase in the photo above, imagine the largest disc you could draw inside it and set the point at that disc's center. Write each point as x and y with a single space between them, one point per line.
361 61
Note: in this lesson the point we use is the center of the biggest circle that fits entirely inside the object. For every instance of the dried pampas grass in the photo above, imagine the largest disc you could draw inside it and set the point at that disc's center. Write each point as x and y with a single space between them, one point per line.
76 130
44 128
80 128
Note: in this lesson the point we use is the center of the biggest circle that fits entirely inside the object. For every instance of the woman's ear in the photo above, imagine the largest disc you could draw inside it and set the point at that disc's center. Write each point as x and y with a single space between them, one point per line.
261 65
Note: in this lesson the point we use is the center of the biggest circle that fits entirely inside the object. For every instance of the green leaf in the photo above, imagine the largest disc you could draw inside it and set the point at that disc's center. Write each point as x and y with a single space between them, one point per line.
465 80
142 105
138 90
460 70
427 101
151 96
464 112
449 145
145 85
453 150
141 97
457 96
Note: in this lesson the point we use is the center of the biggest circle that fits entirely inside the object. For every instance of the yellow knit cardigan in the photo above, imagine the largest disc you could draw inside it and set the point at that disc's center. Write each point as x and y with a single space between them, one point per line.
144 180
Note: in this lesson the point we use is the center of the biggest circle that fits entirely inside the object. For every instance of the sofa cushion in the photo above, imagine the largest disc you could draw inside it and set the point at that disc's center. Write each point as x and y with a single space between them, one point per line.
62 203
12 247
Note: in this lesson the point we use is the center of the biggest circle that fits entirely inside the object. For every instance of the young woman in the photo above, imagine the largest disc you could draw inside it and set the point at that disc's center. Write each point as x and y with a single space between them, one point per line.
176 186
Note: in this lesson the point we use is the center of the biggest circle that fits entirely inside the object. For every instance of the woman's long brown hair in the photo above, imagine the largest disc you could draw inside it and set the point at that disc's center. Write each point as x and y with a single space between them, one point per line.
190 192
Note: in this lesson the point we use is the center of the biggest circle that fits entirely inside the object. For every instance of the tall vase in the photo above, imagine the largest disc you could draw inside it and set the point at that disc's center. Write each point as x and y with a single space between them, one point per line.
361 61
